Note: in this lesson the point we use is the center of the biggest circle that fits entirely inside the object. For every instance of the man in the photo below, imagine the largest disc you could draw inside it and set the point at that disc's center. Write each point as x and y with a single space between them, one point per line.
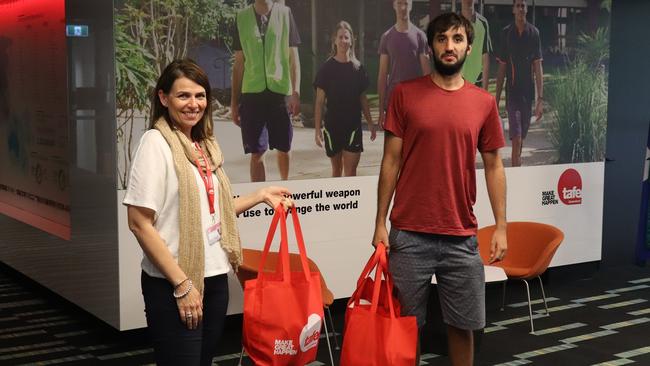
403 48
266 71
429 163
520 58
476 69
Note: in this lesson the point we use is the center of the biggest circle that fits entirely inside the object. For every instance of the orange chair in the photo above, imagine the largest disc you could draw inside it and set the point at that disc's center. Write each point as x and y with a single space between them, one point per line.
531 246
248 271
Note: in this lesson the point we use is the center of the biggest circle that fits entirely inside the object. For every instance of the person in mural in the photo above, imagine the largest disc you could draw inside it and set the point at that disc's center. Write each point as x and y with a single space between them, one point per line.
342 81
182 212
403 54
429 164
519 54
476 69
266 72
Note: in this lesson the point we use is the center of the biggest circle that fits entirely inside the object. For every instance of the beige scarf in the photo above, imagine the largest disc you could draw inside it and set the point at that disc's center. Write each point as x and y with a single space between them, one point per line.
191 256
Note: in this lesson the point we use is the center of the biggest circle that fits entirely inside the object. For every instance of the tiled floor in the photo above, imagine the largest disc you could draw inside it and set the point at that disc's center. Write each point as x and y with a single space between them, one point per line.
603 320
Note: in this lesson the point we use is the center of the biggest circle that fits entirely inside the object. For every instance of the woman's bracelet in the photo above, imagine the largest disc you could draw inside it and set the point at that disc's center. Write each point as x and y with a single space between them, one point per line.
187 291
180 283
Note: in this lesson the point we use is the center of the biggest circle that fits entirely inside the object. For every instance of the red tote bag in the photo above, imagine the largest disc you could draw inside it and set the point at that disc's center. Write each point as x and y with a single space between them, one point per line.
283 310
375 334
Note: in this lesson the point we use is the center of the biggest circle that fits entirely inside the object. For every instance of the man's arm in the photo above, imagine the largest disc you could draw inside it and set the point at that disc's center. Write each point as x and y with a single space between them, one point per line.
425 64
391 163
384 62
237 78
294 65
539 86
495 178
501 75
486 71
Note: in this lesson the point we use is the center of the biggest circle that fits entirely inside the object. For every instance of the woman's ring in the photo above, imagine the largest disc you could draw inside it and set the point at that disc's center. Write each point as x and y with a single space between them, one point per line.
188 315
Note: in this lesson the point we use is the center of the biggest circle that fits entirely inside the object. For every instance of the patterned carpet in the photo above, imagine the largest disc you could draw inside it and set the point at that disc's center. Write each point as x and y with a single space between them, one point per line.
602 320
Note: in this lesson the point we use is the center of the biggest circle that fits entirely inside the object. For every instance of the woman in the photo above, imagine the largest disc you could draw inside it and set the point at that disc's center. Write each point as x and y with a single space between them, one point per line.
181 210
342 81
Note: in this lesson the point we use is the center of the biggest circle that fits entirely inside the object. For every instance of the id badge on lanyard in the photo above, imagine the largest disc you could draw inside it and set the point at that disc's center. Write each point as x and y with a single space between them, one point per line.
214 229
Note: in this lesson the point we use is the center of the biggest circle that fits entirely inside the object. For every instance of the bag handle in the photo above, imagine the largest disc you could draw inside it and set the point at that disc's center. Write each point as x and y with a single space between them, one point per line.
300 240
284 263
284 259
372 262
383 263
379 262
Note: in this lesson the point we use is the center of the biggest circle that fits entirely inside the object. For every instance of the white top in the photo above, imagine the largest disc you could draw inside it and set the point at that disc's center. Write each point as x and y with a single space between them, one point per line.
153 184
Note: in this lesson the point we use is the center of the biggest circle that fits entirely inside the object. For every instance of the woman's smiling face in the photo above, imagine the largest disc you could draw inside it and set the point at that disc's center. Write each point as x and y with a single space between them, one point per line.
186 103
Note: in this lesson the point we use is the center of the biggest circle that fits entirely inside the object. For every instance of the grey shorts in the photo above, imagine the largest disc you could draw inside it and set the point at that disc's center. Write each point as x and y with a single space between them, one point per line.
415 257
519 114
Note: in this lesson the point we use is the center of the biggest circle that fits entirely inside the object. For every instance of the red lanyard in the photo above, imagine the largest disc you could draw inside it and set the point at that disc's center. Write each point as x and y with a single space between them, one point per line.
206 177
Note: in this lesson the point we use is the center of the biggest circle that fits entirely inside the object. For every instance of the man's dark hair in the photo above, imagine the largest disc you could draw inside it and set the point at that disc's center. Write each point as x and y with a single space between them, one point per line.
446 21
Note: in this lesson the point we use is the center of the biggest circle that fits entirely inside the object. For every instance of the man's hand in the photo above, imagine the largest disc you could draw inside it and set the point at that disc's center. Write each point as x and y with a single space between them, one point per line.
539 109
234 114
319 137
381 236
294 104
373 132
382 118
499 246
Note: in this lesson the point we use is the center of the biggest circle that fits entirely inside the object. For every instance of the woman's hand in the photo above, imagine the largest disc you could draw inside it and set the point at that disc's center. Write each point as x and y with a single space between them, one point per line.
190 306
274 195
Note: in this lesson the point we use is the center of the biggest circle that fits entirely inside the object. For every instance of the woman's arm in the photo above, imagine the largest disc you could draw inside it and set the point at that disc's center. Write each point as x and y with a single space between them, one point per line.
271 195
141 224
365 108
318 116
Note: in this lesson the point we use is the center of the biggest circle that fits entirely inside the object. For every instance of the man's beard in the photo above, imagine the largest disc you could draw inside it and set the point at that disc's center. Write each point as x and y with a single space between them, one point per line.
448 69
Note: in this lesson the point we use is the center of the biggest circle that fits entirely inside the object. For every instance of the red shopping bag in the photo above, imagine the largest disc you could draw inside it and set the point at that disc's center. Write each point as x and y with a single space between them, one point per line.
283 310
375 334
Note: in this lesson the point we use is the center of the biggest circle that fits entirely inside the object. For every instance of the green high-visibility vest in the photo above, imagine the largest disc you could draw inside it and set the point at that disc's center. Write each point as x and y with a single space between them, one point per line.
266 64
473 67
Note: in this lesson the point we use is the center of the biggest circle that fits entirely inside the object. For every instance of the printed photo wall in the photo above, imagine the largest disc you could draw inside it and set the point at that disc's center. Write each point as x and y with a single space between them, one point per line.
34 138
556 177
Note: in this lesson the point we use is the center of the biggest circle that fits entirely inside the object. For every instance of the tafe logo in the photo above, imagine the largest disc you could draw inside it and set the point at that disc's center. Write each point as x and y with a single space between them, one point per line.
310 333
569 187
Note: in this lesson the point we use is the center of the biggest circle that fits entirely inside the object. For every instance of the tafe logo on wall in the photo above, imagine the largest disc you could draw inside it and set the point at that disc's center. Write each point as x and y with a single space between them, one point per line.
569 187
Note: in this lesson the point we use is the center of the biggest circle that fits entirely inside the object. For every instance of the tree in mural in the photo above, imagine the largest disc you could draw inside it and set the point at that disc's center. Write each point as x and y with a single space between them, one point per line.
135 76
579 96
149 34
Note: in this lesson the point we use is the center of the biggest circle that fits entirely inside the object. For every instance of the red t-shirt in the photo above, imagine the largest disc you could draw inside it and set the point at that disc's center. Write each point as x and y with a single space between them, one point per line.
440 131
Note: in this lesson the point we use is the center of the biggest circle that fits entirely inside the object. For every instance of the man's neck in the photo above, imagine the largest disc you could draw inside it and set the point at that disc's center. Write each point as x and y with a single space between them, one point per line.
402 25
520 23
468 13
262 7
450 83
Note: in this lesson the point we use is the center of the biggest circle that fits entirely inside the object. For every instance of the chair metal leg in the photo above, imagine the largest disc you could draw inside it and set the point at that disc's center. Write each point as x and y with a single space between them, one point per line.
503 299
336 341
530 309
329 346
543 295
241 356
